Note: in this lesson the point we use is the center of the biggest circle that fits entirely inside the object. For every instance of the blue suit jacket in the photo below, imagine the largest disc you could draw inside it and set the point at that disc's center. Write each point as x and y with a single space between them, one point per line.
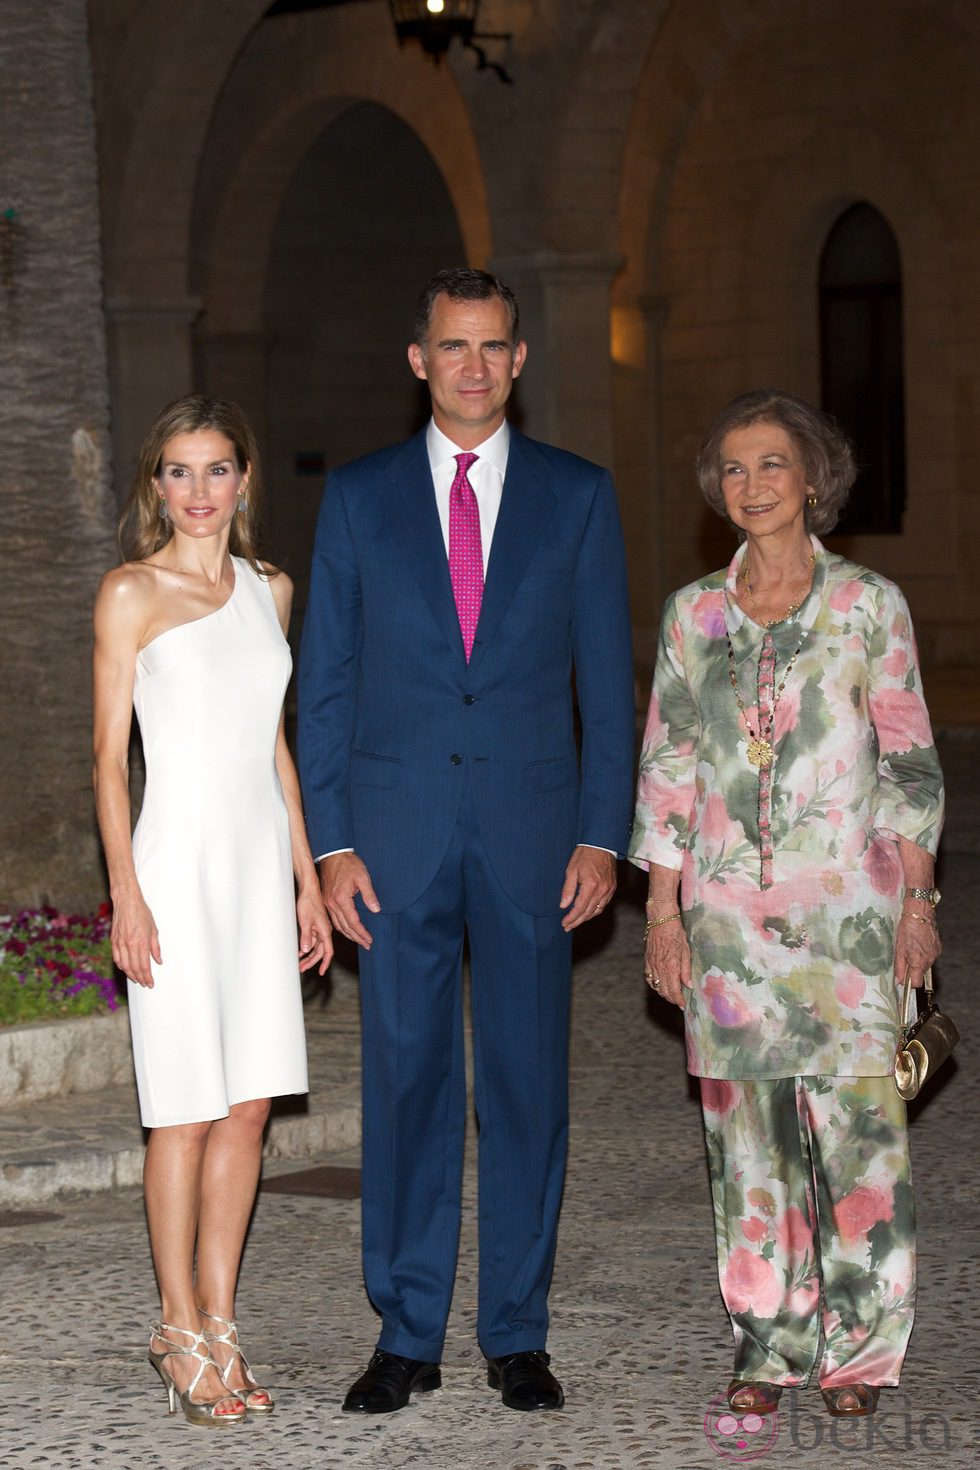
392 719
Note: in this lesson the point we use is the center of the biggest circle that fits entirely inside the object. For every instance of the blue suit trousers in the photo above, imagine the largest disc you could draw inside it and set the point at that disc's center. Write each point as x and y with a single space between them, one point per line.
415 1104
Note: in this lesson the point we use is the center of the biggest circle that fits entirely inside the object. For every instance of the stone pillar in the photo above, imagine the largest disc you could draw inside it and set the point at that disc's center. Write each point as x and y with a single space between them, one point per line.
565 396
151 362
56 511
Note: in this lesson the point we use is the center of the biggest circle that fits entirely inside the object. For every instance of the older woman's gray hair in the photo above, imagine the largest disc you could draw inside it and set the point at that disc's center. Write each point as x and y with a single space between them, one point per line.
824 449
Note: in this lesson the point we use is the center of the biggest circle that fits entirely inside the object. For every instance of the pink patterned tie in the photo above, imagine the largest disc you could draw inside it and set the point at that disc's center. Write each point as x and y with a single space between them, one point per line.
465 551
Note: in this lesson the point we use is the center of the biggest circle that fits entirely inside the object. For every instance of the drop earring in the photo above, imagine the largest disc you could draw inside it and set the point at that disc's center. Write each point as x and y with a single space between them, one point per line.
242 504
162 512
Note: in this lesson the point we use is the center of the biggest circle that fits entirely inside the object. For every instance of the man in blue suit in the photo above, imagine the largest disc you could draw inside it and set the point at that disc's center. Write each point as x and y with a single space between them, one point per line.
458 581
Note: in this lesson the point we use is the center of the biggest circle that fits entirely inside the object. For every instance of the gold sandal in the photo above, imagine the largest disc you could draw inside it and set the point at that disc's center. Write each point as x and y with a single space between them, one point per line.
865 1397
229 1338
203 1412
747 1396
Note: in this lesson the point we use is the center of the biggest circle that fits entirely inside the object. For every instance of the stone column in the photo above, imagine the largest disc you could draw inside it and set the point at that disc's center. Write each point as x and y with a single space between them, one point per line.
56 511
151 362
566 395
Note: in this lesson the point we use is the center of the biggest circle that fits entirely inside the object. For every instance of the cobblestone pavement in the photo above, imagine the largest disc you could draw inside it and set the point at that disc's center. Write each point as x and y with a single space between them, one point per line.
639 1335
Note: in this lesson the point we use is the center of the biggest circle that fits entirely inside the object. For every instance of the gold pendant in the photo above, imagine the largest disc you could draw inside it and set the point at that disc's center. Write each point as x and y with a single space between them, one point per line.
759 753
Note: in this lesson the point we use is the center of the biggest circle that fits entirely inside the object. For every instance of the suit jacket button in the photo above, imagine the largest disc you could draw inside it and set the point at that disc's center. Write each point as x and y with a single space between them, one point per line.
456 760
468 699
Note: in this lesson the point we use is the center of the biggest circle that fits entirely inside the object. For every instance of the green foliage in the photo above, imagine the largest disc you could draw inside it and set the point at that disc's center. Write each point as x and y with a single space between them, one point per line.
55 965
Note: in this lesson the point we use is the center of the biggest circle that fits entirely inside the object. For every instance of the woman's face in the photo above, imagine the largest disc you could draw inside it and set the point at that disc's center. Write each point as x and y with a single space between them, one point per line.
200 481
762 479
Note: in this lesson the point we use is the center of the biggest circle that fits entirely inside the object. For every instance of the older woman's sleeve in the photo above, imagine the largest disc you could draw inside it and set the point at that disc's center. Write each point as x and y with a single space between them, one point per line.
668 758
909 800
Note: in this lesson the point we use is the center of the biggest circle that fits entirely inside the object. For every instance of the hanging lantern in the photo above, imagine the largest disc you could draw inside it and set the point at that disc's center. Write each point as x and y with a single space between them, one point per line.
435 22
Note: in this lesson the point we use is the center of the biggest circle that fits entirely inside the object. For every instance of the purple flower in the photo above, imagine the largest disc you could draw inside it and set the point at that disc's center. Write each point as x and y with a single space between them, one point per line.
63 959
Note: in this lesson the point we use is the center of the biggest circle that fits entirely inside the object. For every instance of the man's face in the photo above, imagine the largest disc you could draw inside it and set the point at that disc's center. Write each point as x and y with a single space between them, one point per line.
469 364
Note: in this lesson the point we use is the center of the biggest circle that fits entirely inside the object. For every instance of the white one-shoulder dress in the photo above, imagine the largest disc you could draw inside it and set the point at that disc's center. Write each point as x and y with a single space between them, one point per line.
224 1021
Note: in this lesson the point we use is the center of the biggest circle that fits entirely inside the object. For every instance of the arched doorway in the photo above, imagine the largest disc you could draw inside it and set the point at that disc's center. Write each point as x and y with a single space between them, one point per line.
861 361
364 221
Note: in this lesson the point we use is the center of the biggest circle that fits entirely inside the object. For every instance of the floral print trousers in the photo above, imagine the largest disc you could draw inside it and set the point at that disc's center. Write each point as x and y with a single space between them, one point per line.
812 1196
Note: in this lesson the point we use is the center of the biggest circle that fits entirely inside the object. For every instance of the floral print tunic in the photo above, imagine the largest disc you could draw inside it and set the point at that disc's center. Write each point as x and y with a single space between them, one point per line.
791 880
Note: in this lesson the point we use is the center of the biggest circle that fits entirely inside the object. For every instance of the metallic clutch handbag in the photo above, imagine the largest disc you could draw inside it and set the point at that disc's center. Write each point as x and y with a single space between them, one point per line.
925 1044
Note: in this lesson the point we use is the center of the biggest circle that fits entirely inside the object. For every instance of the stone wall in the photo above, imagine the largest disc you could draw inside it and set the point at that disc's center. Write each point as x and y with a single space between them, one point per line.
756 126
657 185
56 510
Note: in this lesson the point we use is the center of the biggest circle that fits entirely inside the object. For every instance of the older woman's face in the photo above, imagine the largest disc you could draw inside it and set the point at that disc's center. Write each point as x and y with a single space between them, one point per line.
762 479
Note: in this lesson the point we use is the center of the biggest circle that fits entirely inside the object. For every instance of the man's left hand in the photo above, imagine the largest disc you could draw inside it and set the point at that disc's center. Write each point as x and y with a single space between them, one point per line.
590 879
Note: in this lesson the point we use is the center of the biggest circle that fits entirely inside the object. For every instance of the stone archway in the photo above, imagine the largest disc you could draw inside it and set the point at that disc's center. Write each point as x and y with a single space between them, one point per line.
284 90
192 187
332 156
347 256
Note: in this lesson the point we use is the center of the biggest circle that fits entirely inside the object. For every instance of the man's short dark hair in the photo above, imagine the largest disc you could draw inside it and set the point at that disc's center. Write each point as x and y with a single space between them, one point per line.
460 283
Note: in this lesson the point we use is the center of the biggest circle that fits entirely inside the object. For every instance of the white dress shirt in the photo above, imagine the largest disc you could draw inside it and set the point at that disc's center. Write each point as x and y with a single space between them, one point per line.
486 475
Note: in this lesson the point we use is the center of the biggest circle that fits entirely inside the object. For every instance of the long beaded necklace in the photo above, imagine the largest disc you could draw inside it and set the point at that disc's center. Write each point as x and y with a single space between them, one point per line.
793 607
760 752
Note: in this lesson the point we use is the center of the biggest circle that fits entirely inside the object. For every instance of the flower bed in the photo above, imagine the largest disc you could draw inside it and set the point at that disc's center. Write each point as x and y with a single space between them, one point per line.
54 966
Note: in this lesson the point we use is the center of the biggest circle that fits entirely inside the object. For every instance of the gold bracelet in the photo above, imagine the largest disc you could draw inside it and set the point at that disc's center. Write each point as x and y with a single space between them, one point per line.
922 918
652 923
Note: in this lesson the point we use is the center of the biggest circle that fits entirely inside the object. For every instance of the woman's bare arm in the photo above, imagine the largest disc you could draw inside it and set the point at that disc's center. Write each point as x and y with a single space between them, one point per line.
119 619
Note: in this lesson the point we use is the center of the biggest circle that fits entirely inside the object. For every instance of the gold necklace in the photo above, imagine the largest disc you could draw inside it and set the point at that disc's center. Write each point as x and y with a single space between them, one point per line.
759 751
793 607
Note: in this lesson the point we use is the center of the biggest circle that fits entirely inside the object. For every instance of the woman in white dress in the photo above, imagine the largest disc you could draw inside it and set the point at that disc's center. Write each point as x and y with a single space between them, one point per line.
216 904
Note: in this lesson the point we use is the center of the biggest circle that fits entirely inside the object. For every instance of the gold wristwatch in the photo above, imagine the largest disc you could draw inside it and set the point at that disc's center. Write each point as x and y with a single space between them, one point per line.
924 895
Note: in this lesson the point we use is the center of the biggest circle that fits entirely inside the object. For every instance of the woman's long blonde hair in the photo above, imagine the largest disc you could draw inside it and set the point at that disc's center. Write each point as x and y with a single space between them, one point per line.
141 529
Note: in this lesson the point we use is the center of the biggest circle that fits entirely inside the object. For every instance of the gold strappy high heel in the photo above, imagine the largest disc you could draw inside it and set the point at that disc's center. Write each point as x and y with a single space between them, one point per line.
230 1340
201 1412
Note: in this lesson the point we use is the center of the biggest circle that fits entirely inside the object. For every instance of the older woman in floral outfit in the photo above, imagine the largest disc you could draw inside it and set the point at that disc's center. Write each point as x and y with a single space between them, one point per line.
790 787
